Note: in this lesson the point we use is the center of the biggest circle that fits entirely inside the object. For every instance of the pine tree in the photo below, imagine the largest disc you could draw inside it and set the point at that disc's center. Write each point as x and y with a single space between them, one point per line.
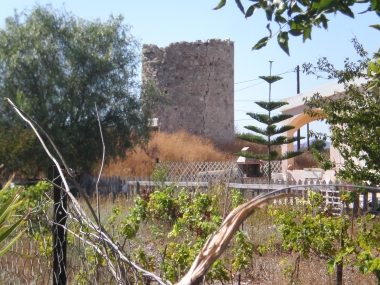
270 131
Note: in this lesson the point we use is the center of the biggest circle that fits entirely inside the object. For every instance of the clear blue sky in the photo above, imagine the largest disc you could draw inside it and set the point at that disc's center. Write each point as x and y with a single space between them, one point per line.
162 22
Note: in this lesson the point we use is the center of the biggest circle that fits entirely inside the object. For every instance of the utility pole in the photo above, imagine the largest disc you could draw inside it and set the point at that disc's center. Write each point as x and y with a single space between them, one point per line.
307 126
298 92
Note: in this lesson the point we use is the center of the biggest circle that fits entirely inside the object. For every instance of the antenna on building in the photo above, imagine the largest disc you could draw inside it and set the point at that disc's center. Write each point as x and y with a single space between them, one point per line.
270 74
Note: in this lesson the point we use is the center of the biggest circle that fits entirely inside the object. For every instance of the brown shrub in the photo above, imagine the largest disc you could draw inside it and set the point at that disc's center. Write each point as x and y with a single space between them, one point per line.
305 160
174 147
238 144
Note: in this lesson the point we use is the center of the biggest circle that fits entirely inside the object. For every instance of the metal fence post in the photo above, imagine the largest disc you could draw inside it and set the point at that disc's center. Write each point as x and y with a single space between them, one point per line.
137 188
374 202
356 205
365 201
59 231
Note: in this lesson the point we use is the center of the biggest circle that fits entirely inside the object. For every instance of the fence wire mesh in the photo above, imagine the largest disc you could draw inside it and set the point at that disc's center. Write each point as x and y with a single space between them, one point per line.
74 252
31 259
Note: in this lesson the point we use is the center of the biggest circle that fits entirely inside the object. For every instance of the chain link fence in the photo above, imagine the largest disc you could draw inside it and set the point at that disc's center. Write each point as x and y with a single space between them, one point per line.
32 259
66 244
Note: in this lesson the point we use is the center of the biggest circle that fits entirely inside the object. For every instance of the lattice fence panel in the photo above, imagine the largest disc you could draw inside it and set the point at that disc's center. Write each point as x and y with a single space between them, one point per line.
201 170
275 165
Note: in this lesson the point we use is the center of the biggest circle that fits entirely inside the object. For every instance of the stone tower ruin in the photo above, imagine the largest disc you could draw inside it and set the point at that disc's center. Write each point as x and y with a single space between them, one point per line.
198 78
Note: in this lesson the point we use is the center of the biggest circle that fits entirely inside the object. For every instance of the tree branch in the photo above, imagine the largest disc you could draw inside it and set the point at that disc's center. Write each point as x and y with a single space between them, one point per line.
103 235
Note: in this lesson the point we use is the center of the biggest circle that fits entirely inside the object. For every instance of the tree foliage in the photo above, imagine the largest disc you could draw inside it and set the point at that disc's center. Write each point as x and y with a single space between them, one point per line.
353 118
299 17
318 144
310 227
323 162
56 67
271 132
373 71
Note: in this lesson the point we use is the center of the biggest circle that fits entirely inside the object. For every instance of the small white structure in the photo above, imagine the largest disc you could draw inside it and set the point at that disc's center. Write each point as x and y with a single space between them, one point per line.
249 166
313 173
279 176
153 122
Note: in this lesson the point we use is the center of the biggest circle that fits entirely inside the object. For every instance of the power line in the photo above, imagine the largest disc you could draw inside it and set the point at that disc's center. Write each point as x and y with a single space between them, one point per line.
249 119
249 86
251 100
289 71
247 81
247 111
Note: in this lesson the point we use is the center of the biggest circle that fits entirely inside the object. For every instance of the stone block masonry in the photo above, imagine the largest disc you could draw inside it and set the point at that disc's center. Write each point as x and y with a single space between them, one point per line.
198 78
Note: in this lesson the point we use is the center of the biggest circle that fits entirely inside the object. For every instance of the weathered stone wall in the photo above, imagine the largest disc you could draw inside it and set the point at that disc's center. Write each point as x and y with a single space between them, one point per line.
199 80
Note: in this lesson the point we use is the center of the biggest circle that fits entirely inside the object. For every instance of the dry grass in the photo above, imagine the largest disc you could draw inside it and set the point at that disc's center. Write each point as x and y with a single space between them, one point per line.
305 160
238 144
175 147
269 269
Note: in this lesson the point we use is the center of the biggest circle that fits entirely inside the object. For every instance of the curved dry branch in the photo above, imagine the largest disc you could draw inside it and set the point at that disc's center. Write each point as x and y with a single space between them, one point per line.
218 242
30 121
101 167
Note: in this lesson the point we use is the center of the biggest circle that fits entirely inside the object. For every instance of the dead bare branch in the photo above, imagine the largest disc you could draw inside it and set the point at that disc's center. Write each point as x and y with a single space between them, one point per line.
103 235
32 123
101 168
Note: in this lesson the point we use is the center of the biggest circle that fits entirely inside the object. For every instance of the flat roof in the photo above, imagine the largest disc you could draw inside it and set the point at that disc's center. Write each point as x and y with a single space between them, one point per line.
325 91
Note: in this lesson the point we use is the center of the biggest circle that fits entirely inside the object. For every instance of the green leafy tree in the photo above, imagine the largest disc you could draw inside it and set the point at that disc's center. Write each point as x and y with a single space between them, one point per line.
309 228
323 162
270 131
318 144
299 17
373 71
56 67
17 142
353 118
